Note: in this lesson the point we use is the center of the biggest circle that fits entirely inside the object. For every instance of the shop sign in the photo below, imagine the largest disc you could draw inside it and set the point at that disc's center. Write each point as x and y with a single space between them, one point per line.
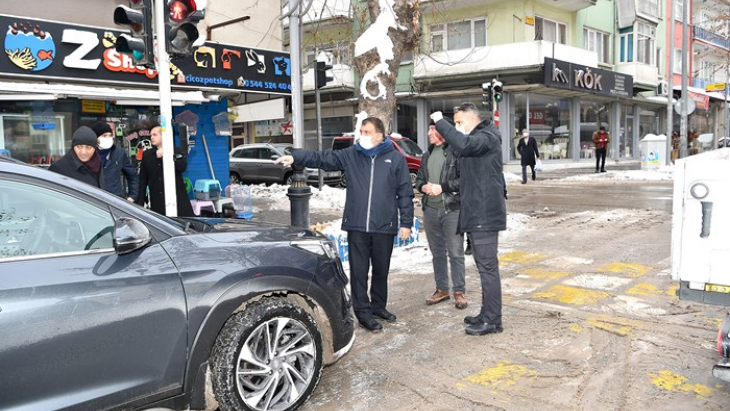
701 101
47 50
715 87
537 116
529 20
93 106
569 76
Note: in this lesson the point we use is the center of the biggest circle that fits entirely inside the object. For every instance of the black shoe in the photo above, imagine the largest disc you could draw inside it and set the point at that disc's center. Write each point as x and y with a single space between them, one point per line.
384 314
596 170
468 250
603 171
524 182
371 325
483 329
472 320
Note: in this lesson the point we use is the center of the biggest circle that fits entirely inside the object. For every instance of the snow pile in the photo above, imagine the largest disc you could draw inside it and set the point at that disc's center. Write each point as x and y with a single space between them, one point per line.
326 199
662 174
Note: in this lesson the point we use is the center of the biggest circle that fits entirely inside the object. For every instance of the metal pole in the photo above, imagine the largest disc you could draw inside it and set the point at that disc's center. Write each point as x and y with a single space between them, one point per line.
168 145
318 104
685 56
299 192
670 85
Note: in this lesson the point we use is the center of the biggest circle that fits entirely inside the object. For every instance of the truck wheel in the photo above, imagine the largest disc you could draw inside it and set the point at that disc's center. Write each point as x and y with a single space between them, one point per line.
267 357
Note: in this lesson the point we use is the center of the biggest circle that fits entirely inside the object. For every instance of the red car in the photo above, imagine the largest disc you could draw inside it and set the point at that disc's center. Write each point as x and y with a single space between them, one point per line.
404 145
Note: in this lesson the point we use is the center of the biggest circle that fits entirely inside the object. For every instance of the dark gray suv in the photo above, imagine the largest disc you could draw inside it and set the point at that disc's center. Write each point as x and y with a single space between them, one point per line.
105 305
254 164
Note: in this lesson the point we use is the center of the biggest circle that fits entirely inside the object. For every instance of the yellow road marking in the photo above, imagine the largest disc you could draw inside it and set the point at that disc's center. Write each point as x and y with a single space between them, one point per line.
630 269
499 377
622 330
669 381
543 274
521 257
571 295
575 328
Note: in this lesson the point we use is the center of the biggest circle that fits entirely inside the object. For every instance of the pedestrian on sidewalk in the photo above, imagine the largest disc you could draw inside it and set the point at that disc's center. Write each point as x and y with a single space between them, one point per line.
82 161
483 211
116 164
379 188
151 176
600 141
438 180
529 153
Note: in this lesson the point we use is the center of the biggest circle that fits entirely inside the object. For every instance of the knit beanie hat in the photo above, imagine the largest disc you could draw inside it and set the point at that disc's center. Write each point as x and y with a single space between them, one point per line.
84 136
101 127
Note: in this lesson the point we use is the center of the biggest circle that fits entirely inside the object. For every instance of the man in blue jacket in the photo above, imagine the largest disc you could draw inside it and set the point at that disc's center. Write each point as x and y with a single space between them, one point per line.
378 189
483 211
116 163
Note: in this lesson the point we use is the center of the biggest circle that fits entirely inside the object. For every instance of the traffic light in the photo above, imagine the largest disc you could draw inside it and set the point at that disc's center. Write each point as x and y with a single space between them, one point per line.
140 43
181 16
497 90
321 79
487 95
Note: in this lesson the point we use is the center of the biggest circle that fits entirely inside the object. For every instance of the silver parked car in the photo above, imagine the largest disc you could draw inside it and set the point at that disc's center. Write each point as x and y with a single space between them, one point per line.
254 164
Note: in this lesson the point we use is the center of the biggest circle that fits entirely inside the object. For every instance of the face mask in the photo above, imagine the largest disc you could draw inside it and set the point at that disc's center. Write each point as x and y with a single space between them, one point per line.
106 143
366 142
525 135
461 129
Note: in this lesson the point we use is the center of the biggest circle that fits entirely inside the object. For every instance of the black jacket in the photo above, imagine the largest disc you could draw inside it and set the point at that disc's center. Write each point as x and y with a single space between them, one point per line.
70 166
151 175
449 178
482 181
378 187
118 164
528 151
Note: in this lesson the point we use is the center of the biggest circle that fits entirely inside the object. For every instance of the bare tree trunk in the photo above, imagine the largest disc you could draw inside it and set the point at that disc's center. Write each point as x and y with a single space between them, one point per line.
393 31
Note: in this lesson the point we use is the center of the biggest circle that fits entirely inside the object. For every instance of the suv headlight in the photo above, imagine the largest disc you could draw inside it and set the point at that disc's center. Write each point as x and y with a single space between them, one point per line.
319 247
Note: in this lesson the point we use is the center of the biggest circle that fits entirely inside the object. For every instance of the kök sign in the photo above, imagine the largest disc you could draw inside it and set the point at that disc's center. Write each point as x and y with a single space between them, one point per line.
561 74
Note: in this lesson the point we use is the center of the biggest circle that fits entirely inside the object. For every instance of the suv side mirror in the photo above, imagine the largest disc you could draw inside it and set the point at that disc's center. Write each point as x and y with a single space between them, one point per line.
130 235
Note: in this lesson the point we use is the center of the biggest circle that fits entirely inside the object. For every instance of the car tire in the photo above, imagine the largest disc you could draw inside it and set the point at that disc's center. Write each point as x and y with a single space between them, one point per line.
414 176
288 179
235 178
248 370
343 180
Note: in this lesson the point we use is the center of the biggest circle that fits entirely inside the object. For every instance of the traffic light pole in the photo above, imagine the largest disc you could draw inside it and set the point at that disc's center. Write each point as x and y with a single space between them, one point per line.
168 145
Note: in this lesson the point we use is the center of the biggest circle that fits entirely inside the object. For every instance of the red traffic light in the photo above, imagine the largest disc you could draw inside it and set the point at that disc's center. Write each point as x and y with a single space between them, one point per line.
181 9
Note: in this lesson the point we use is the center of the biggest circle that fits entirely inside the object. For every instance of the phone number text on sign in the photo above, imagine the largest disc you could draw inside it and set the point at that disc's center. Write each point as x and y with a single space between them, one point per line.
264 85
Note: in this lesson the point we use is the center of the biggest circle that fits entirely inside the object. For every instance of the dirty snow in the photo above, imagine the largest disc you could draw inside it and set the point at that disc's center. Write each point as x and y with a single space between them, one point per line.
661 174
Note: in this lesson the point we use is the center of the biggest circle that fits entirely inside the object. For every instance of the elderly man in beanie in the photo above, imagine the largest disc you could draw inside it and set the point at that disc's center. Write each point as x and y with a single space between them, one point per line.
438 180
82 162
116 164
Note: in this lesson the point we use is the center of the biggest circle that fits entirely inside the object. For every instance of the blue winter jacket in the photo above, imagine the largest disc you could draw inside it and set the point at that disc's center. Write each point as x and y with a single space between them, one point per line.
117 165
378 186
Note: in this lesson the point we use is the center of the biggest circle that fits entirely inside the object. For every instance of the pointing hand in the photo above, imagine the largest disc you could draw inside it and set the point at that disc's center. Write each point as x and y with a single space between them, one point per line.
285 160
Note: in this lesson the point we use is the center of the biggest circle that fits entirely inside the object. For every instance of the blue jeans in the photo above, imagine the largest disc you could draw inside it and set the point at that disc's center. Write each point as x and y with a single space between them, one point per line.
443 240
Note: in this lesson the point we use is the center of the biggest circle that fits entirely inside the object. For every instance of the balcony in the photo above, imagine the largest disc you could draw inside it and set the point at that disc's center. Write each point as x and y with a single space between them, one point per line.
568 5
498 58
698 33
645 76
344 78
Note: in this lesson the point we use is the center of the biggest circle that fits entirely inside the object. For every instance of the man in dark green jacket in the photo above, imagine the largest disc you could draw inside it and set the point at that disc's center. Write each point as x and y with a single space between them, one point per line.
483 210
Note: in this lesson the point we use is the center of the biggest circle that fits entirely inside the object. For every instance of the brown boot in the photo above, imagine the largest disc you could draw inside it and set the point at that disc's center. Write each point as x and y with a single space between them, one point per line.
437 297
460 300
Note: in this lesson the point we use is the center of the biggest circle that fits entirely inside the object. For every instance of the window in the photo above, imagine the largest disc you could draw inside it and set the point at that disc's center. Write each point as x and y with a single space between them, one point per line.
550 31
678 61
678 10
648 7
707 71
626 45
646 44
598 42
249 153
339 52
465 34
37 221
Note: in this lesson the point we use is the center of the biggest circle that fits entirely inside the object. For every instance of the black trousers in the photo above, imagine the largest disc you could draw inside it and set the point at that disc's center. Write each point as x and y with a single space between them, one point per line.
524 172
364 249
601 157
484 250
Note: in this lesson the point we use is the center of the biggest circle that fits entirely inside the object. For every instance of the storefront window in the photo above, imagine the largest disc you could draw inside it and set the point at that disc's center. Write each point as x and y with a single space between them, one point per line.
549 122
33 139
626 133
593 116
446 106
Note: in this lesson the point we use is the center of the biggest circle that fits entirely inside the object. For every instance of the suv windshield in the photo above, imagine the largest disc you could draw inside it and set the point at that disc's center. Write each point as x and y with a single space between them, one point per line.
409 147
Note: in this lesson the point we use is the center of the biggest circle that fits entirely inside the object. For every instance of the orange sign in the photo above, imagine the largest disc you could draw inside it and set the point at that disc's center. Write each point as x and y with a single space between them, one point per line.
701 101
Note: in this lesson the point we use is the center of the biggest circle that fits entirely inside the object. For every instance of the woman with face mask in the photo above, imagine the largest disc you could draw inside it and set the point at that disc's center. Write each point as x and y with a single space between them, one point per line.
116 163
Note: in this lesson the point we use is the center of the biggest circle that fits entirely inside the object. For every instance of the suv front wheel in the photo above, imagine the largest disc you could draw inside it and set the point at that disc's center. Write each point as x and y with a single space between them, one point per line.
267 357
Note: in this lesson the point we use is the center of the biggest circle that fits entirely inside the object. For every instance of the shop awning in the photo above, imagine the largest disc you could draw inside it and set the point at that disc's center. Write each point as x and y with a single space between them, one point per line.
129 97
701 92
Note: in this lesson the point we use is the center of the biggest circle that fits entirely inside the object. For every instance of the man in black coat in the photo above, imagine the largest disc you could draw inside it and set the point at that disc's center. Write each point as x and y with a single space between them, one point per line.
483 209
116 163
527 147
151 176
378 189
82 162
